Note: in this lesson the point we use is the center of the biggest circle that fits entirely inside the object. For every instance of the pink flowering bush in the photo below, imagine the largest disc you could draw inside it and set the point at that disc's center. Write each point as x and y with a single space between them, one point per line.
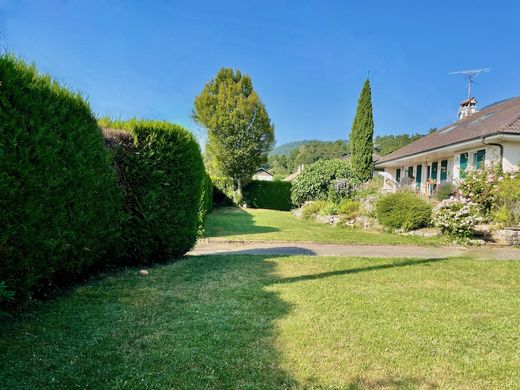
480 187
456 216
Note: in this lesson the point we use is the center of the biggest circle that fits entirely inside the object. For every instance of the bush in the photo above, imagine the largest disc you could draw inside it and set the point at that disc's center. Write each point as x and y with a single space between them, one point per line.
340 189
445 191
206 202
310 209
480 186
329 208
370 188
314 182
162 174
349 208
403 210
274 195
456 217
507 199
222 192
60 207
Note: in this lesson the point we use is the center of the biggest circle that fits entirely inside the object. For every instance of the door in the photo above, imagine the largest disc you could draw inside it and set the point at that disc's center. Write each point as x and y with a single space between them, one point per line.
463 165
435 167
398 175
444 170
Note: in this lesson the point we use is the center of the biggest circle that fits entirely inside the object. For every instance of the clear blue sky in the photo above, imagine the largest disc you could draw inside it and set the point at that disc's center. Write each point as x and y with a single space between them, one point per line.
307 59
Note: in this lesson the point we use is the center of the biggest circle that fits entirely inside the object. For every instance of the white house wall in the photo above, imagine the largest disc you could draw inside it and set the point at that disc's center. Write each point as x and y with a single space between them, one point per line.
511 156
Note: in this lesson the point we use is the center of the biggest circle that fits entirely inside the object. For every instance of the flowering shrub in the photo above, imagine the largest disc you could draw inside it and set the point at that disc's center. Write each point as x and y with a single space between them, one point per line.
456 216
341 189
480 187
508 200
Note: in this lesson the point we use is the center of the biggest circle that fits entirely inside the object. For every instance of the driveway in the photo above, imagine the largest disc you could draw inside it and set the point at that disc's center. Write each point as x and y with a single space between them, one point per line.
221 247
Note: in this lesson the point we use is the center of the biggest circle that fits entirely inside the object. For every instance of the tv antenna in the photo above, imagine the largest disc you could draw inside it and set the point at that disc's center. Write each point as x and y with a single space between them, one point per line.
471 75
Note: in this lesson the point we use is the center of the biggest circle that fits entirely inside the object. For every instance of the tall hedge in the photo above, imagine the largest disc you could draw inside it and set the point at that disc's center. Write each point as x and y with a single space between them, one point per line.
59 203
274 195
161 171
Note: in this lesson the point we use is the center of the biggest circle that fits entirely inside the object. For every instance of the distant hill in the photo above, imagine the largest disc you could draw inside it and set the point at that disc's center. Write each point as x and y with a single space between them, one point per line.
288 147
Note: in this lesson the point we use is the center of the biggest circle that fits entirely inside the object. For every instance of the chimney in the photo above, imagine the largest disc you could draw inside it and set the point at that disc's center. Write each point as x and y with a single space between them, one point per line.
467 107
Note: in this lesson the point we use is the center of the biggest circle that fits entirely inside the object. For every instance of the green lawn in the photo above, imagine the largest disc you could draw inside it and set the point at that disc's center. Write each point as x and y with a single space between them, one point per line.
260 322
271 225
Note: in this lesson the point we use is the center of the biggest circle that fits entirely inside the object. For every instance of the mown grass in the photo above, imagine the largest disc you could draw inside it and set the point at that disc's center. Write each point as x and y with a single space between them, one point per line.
272 225
263 322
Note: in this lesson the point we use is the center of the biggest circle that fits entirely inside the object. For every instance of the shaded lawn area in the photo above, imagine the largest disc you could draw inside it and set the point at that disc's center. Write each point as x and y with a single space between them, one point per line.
272 225
259 322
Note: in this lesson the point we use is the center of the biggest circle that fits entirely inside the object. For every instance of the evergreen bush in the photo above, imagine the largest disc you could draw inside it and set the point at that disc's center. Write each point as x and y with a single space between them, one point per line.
403 210
274 195
314 182
60 207
161 172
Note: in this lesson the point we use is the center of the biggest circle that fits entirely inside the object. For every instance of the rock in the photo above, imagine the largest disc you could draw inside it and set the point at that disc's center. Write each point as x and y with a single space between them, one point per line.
144 272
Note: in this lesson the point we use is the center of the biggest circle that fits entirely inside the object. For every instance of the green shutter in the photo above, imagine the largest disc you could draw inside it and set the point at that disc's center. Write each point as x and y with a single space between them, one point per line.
463 165
418 176
444 170
435 167
398 175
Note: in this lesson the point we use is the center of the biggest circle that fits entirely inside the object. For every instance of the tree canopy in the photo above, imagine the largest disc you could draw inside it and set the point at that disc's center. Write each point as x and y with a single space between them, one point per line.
240 133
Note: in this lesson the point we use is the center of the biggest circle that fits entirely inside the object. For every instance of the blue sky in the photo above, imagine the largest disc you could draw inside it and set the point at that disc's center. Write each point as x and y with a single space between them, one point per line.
307 59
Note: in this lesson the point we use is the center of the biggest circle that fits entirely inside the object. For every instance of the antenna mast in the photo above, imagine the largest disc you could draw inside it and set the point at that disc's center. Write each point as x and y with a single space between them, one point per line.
471 75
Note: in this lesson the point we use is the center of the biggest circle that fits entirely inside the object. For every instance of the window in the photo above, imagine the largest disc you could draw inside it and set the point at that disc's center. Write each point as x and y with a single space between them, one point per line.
444 170
463 165
398 175
410 171
418 176
435 167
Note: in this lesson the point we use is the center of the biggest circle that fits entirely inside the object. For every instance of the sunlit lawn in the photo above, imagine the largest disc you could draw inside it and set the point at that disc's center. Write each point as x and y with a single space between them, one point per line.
271 225
259 322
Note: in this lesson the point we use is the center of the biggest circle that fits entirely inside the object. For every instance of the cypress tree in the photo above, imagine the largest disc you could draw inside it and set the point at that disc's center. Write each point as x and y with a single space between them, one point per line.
361 135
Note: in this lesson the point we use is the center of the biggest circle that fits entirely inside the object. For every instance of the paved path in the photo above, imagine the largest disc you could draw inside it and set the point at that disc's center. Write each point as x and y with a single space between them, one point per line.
213 247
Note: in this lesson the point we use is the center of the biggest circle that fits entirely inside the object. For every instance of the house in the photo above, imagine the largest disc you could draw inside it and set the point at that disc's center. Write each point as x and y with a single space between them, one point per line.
476 139
294 175
263 175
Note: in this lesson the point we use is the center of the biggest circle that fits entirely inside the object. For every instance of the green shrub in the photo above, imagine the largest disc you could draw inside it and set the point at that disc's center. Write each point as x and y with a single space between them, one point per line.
206 202
60 207
341 189
222 191
162 174
349 208
274 195
314 182
403 210
310 209
444 191
507 200
369 188
330 208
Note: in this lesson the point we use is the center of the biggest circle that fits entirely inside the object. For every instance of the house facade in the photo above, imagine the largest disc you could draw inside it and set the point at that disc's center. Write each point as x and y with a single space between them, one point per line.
476 139
263 175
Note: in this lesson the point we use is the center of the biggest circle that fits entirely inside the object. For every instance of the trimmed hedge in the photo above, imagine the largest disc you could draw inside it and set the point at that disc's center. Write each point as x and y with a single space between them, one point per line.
274 195
161 172
222 191
403 210
60 208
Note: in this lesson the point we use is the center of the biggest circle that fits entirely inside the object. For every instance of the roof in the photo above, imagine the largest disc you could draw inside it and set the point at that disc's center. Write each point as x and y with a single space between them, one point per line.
263 170
499 118
292 176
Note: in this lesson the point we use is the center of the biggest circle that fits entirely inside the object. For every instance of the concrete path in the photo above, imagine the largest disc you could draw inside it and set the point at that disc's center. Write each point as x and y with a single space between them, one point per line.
214 247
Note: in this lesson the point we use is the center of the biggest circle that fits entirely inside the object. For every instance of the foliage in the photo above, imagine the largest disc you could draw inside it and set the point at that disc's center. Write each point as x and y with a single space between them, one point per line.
479 186
60 204
310 209
314 182
206 205
5 294
162 174
386 144
370 188
456 217
222 191
508 199
349 208
274 195
330 208
361 135
445 191
403 210
288 147
341 189
240 133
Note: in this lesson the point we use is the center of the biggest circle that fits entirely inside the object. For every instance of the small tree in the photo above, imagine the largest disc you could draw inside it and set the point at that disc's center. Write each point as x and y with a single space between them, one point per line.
240 133
361 135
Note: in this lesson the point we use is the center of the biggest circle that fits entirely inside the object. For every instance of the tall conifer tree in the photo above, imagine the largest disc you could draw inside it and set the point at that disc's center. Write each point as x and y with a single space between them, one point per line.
361 135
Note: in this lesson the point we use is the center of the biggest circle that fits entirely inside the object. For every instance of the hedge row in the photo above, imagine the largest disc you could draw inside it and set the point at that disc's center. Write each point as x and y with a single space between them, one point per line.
161 172
274 195
63 210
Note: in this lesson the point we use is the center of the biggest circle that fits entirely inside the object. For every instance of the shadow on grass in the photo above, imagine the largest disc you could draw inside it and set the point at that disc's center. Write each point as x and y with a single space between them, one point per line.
206 322
232 221
378 267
